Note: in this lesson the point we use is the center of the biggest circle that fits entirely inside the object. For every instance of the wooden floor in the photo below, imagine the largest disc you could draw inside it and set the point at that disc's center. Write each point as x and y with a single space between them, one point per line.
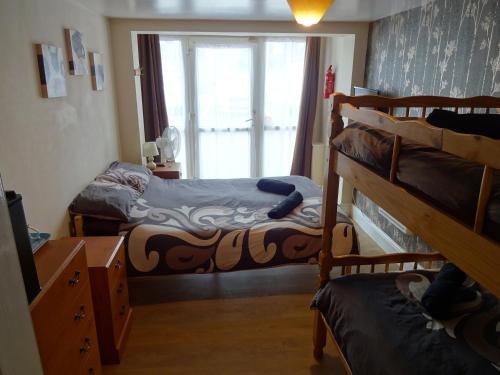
248 322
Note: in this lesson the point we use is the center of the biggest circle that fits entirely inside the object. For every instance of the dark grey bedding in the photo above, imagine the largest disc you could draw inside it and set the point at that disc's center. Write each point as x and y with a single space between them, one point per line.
448 182
381 328
186 226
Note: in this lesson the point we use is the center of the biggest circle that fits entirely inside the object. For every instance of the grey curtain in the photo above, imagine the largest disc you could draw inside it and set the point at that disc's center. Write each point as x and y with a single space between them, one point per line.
302 155
153 97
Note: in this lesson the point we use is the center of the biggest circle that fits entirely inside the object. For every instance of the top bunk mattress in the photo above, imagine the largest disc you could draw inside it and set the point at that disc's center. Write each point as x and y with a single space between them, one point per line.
448 182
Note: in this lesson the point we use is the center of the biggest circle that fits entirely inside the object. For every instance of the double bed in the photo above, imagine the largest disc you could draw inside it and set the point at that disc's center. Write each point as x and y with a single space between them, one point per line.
444 186
202 226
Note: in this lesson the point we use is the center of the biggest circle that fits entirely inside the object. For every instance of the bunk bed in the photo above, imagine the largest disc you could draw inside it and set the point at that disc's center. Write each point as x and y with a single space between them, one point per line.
465 244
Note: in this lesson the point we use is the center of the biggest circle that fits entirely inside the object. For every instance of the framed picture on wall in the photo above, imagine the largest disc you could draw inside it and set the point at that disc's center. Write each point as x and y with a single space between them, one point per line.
51 70
77 54
96 71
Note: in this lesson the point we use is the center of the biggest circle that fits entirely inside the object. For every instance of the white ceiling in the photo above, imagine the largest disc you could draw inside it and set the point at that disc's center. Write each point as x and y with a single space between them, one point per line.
262 10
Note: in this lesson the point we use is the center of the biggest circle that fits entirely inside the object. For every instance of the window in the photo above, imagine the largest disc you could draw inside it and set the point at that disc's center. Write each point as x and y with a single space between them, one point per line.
236 103
283 89
172 64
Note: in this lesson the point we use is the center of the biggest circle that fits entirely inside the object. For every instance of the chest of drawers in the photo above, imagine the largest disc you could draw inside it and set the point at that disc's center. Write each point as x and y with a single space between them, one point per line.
108 280
62 313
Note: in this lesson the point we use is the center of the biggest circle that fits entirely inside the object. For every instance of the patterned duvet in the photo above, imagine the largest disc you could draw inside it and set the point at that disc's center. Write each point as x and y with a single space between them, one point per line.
200 226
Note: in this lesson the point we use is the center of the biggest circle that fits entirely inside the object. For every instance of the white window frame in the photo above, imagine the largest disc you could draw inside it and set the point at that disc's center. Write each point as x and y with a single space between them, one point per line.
258 78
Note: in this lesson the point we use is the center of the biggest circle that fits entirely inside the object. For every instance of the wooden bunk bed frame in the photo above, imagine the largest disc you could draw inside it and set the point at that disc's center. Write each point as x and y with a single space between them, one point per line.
474 253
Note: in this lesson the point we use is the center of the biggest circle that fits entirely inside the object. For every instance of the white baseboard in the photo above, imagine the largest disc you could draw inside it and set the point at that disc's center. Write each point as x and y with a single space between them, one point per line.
378 235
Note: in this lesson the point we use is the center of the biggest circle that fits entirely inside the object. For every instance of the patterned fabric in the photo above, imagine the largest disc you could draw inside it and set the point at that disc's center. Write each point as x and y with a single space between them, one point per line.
201 226
446 48
382 328
132 175
135 180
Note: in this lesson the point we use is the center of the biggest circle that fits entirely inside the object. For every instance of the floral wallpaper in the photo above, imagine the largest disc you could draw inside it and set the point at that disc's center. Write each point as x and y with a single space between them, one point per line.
446 48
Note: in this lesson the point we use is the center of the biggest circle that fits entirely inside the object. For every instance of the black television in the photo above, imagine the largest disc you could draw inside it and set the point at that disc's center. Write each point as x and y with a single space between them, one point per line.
23 244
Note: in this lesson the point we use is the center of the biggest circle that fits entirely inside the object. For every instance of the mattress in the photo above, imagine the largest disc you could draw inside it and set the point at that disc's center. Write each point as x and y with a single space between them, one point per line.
446 181
201 226
381 328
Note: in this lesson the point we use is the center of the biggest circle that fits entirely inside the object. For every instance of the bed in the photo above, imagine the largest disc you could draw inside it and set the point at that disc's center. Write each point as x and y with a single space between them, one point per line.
373 312
446 181
202 226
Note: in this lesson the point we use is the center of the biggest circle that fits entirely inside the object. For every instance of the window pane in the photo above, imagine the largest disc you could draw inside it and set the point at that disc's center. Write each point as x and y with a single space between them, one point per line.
224 106
224 154
223 76
283 87
173 83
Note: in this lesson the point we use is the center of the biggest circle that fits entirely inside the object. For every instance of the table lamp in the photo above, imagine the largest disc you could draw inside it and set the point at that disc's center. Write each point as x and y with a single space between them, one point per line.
149 150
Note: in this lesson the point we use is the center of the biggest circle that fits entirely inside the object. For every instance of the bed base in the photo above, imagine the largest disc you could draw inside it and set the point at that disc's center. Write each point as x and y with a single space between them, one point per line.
467 247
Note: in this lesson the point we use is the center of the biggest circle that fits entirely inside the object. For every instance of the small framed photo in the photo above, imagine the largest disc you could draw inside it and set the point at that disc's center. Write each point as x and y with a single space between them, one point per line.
77 54
97 71
51 70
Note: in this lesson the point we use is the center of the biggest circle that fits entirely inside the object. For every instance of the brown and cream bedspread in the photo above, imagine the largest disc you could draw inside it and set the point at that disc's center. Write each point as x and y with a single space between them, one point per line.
200 226
382 329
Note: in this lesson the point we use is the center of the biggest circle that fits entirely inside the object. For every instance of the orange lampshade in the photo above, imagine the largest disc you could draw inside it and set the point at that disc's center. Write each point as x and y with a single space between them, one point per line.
309 12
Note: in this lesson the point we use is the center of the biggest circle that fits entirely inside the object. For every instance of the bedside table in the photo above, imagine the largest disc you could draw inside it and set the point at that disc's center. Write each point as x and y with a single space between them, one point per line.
108 280
170 171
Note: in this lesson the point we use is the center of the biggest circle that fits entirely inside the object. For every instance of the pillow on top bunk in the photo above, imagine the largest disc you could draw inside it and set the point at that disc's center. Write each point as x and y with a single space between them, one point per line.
371 147
484 124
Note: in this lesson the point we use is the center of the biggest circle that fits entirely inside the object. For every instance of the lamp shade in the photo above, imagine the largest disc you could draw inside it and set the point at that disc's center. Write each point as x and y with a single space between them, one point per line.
309 12
149 149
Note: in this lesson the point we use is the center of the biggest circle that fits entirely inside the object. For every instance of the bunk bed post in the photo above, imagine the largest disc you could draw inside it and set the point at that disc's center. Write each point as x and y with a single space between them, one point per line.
329 217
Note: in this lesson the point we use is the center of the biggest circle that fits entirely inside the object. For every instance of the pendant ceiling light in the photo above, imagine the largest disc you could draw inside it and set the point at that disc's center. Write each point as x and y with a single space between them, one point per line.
309 12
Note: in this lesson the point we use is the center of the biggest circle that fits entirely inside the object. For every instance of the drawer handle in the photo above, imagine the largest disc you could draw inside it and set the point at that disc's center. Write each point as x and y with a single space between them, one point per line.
91 371
123 308
75 279
120 288
85 348
80 315
118 264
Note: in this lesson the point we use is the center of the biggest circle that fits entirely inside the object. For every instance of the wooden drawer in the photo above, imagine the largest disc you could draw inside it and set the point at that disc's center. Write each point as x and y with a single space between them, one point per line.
119 306
80 351
55 313
108 279
73 351
117 267
71 322
92 365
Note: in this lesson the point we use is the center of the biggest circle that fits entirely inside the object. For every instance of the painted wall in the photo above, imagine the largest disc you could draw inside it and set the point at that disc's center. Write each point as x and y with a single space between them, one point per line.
446 48
122 40
51 148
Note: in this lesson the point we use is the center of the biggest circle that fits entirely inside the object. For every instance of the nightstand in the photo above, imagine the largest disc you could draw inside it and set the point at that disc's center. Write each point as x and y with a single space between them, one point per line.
108 280
170 171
